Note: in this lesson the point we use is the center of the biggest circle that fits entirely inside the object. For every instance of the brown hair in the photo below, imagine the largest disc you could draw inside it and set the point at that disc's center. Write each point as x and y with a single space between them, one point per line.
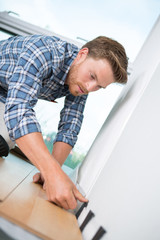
111 50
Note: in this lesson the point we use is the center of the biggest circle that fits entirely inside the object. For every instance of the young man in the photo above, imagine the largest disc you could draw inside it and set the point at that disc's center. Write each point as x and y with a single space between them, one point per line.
43 67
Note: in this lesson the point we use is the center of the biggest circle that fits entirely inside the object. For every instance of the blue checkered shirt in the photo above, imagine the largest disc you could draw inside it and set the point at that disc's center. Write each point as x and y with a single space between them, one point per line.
35 67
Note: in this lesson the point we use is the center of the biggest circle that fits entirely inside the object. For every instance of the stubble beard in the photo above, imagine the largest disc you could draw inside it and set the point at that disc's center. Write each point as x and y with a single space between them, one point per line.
76 87
72 80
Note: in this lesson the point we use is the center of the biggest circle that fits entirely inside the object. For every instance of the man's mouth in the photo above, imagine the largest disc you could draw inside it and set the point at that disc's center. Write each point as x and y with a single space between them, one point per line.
82 90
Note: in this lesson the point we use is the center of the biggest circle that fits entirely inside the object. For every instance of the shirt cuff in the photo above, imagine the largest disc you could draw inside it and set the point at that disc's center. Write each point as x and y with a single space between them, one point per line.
22 130
66 138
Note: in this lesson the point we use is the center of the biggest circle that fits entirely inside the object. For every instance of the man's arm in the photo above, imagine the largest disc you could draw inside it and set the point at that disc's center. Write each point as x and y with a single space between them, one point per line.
61 151
59 188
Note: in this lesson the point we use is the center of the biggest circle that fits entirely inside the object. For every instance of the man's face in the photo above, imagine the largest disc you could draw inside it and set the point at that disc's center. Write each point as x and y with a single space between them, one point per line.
87 74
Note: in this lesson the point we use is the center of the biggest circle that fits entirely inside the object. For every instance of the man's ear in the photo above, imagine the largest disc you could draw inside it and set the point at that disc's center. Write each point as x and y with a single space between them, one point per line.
81 56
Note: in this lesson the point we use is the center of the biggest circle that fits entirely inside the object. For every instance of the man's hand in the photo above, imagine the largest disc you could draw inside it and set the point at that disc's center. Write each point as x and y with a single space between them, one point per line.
60 190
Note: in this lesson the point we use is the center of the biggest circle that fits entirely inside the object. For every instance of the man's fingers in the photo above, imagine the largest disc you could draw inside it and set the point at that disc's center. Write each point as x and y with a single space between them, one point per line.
61 203
65 205
37 178
44 186
79 196
72 202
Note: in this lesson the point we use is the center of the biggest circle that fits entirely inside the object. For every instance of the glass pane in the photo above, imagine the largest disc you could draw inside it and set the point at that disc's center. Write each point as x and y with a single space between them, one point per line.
48 115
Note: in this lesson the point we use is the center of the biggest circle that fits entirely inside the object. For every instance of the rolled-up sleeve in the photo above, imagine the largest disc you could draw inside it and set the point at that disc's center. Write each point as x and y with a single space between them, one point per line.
23 89
71 118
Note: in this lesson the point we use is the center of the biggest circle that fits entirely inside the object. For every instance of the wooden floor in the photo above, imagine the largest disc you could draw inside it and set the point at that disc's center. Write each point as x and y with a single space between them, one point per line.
24 203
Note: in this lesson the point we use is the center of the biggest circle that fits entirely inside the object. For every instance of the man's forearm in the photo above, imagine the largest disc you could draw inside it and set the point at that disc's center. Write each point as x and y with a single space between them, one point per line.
61 151
33 146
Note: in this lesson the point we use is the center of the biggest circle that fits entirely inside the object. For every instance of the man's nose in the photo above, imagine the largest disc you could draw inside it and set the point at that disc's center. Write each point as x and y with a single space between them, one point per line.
91 86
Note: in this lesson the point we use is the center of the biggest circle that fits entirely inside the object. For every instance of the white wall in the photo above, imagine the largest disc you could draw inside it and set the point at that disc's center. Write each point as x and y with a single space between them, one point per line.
121 173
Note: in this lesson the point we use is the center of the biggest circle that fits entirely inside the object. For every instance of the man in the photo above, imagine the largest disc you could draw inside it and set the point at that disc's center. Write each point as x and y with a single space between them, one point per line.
46 67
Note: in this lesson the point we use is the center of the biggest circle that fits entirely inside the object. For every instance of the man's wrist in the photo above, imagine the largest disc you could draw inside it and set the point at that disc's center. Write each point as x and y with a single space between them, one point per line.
50 166
61 151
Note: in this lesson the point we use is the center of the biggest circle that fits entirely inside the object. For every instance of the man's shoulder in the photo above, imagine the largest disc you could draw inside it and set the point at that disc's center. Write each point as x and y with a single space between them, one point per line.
61 44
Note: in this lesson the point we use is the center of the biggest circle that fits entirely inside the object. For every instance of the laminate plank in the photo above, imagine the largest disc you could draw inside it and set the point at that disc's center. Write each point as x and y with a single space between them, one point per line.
13 171
27 206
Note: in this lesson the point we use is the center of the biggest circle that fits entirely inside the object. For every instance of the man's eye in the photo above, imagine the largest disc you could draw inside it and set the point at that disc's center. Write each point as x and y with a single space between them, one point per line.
92 76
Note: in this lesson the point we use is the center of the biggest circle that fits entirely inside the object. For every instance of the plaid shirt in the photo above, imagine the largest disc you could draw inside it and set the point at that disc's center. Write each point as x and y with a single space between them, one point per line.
35 67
